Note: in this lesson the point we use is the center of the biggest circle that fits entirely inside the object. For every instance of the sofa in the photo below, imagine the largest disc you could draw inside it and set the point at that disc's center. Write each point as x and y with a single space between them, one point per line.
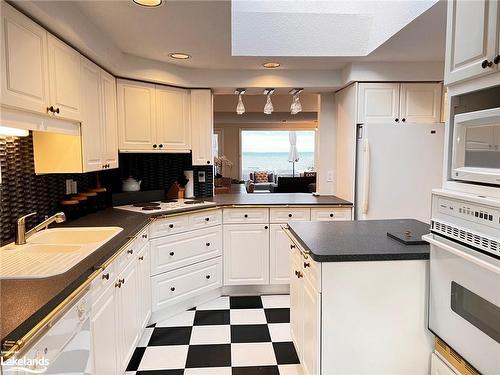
294 185
260 180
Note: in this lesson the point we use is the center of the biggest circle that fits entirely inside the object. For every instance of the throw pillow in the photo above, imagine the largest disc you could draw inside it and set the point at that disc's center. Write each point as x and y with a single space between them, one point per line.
261 177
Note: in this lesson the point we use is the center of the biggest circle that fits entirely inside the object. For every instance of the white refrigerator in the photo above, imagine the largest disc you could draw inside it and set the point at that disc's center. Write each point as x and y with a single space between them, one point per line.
397 166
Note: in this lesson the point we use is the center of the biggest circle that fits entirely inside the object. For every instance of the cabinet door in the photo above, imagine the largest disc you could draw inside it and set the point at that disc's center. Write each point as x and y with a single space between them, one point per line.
136 115
311 321
144 286
104 333
202 127
173 131
128 326
279 249
24 62
91 117
420 102
296 295
64 79
470 38
109 130
246 254
378 102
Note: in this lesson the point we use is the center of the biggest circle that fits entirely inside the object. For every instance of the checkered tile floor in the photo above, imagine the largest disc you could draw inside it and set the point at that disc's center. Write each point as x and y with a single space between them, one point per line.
226 336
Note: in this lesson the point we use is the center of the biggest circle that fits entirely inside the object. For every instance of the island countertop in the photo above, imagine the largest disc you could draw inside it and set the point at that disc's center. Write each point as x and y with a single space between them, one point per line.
278 199
362 240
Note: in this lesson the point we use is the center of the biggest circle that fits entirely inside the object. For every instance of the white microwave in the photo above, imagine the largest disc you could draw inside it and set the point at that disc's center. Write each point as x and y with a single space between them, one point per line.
476 147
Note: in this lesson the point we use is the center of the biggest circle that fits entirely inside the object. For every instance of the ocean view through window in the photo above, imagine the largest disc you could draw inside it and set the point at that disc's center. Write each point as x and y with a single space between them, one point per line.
267 150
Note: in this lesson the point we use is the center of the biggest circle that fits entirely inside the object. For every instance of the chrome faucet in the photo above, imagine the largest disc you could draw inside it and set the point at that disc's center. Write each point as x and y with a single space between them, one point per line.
22 235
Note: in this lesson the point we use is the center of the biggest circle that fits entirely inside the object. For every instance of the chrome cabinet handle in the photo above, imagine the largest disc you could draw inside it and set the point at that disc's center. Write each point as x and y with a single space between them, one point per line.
307 264
207 219
207 244
105 276
130 251
144 236
171 226
141 257
122 281
172 254
207 277
486 64
172 289
118 284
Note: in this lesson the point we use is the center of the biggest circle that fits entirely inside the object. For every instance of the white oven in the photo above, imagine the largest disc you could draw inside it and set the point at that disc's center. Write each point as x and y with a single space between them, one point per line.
464 301
476 147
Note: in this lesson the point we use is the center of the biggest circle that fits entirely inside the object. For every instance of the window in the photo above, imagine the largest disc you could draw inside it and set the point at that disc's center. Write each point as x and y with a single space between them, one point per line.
267 150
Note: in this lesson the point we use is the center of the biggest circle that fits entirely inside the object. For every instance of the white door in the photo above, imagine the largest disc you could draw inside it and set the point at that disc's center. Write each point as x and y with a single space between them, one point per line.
378 102
201 127
420 102
246 254
109 131
128 300
136 116
104 334
311 329
91 117
173 131
296 296
470 38
24 62
64 79
144 286
279 251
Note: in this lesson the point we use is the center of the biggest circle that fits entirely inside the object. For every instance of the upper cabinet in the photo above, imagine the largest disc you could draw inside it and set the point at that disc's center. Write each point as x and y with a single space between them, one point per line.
399 102
109 121
472 39
39 72
202 126
153 118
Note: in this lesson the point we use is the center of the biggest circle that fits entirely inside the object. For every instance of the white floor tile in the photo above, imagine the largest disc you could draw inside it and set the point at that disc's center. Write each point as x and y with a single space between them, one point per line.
164 357
146 335
208 371
279 332
184 319
129 373
253 354
290 370
248 316
221 303
201 335
276 301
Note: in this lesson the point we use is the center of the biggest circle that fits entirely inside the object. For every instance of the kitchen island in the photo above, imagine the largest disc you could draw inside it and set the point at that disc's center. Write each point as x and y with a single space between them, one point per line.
359 297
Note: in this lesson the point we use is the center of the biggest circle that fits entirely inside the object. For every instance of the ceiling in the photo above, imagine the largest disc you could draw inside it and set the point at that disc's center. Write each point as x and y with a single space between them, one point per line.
203 30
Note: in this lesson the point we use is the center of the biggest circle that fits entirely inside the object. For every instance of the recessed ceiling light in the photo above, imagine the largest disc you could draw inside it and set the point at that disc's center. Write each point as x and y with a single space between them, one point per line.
148 3
271 65
179 55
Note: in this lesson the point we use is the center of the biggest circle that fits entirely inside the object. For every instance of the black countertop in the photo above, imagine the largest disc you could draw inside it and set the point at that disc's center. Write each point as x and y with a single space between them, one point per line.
364 240
278 199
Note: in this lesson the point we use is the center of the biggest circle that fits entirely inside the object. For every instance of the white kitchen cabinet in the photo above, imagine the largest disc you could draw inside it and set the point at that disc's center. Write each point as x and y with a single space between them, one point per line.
471 39
202 127
296 302
420 102
279 255
284 215
24 62
136 115
311 321
173 130
439 367
331 214
378 102
249 215
64 79
109 122
246 254
144 286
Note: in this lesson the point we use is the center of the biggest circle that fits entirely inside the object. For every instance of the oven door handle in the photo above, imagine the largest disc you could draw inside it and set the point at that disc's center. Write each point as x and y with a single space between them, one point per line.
455 249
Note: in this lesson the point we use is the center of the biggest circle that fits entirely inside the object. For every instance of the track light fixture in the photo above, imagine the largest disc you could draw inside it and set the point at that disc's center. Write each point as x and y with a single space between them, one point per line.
240 107
268 108
296 106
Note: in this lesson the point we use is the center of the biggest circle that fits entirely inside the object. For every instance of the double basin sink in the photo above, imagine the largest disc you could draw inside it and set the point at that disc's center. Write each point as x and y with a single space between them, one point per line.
52 252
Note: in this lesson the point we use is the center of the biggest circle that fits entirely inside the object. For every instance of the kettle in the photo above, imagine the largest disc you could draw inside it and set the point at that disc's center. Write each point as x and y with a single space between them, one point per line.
131 184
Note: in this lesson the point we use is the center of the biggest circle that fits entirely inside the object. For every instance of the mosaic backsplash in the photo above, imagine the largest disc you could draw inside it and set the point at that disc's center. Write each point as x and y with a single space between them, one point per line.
23 192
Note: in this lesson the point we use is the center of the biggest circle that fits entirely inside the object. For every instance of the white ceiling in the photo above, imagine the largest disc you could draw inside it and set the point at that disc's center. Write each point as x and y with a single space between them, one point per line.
203 29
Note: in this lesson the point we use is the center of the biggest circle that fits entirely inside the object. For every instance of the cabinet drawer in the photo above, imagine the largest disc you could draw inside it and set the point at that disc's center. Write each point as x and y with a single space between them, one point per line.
205 219
169 225
312 272
284 215
172 287
179 250
246 215
125 257
330 214
102 282
141 239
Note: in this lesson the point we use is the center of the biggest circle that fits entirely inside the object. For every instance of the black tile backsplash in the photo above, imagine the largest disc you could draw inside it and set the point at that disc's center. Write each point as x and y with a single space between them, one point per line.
22 191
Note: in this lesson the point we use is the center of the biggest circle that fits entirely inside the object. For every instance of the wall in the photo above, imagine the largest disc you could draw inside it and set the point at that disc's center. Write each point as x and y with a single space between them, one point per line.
231 140
326 147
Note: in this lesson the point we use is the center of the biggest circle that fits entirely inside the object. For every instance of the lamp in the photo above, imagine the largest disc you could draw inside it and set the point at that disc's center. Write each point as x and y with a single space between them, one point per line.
268 108
240 107
296 106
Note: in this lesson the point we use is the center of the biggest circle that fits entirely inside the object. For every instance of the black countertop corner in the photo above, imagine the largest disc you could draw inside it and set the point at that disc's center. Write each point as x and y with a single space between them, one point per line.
362 240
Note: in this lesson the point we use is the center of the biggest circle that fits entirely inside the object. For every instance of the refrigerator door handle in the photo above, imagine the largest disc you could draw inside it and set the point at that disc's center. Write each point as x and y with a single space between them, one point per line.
366 176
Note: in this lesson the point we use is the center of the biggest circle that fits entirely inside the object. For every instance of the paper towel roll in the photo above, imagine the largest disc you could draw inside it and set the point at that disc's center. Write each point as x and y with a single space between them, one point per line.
190 185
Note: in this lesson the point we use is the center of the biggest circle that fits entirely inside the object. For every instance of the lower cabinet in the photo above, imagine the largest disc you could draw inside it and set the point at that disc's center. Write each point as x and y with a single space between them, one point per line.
279 254
144 286
246 254
439 367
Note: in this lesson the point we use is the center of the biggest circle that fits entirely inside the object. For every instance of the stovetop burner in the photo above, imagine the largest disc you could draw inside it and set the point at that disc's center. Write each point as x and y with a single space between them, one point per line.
169 201
151 208
146 204
196 201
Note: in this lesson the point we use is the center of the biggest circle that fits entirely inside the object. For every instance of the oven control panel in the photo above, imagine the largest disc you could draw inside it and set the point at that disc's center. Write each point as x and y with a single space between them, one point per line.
470 212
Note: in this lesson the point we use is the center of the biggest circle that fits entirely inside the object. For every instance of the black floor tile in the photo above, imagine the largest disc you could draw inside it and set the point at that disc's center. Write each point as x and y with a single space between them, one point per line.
161 372
285 353
257 370
162 336
278 315
245 302
211 317
250 333
133 365
209 356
